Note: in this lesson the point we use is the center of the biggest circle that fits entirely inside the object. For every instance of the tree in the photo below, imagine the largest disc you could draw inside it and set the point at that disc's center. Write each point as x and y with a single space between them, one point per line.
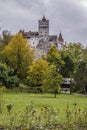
52 81
37 72
13 80
6 37
81 76
75 51
19 55
2 57
7 77
54 57
66 70
84 54
3 74
2 46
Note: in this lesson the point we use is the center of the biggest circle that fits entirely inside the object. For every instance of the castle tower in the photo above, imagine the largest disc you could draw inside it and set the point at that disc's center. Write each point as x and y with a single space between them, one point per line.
60 41
43 28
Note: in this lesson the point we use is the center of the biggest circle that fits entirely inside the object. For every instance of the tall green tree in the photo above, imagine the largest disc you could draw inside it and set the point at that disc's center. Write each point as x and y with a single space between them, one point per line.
52 81
67 68
54 57
81 77
19 55
75 51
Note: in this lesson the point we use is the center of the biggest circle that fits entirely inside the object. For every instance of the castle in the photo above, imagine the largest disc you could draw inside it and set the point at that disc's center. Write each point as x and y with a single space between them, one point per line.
41 40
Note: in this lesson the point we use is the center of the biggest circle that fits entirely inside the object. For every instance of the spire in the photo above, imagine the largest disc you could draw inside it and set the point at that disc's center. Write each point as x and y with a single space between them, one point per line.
60 38
44 19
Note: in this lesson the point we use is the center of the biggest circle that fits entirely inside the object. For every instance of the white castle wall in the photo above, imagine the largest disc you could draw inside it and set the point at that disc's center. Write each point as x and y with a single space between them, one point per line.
33 41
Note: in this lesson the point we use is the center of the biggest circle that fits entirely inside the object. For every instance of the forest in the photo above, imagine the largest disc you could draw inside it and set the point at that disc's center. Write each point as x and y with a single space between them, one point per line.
21 71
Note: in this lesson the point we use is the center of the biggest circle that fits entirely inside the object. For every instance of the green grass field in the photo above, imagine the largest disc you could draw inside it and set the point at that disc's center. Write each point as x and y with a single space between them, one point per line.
21 100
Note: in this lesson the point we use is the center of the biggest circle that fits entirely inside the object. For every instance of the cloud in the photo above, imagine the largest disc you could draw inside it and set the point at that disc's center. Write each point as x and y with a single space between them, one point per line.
66 15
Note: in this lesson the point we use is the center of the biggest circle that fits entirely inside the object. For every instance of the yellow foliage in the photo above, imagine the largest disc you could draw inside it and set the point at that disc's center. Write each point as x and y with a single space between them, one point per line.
37 71
19 54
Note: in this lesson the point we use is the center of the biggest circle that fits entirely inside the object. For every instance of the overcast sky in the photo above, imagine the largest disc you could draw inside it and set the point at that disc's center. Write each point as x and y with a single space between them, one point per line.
67 16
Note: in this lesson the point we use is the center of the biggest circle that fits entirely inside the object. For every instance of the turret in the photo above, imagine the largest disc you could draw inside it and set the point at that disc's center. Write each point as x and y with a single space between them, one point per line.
60 41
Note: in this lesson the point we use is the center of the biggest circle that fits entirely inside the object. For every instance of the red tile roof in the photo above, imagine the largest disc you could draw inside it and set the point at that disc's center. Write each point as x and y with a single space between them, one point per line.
27 34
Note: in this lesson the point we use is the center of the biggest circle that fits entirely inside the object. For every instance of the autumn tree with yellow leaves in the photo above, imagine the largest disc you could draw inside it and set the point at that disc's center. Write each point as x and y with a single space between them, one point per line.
37 72
19 55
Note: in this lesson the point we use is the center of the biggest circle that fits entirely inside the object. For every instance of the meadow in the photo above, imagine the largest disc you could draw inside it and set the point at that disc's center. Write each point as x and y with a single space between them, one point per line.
20 102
